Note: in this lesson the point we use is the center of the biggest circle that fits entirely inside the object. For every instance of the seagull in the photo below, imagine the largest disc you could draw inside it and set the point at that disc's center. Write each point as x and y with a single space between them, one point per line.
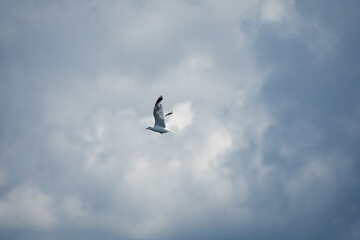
159 125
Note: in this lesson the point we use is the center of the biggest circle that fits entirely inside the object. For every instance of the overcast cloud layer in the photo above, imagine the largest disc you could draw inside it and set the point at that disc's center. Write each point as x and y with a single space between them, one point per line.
266 105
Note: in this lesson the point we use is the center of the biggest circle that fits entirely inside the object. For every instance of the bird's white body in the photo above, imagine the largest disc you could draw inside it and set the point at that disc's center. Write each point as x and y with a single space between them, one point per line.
159 129
159 116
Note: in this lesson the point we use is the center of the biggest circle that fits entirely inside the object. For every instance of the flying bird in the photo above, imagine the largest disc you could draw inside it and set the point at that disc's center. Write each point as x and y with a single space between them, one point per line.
159 116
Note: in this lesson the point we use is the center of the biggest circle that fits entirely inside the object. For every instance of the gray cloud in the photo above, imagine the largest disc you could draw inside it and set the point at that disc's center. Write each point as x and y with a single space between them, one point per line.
265 106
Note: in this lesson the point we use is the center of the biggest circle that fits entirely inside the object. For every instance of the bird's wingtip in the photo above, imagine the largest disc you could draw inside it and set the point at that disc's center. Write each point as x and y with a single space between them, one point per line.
159 100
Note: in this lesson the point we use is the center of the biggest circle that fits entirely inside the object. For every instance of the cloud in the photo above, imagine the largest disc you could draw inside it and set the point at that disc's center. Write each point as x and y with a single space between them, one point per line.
275 11
183 118
264 140
27 207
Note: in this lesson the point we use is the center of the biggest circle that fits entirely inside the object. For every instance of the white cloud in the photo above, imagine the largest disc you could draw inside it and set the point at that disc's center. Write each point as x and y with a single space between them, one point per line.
142 181
27 207
73 207
182 118
275 10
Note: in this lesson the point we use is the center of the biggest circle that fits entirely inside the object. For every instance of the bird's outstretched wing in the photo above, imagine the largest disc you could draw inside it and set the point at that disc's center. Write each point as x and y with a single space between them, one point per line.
159 113
167 116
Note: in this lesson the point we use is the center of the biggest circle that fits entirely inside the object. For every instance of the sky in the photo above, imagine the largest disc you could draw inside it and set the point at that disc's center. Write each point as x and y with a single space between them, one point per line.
266 104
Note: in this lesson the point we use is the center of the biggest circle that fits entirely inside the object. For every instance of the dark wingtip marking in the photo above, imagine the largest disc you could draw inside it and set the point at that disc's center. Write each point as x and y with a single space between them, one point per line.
169 113
159 100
